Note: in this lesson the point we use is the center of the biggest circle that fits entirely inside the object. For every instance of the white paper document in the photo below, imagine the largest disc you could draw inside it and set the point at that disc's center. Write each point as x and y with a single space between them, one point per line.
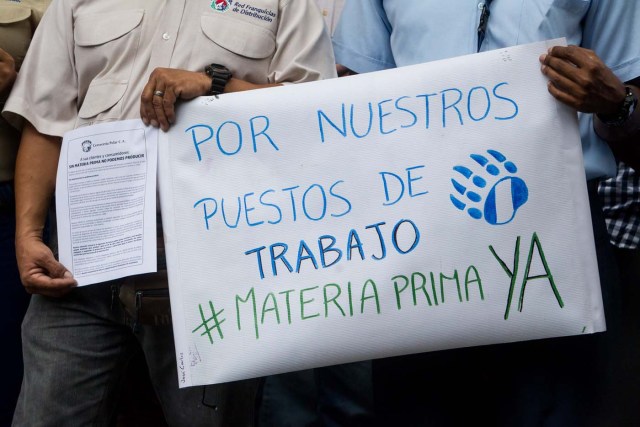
106 201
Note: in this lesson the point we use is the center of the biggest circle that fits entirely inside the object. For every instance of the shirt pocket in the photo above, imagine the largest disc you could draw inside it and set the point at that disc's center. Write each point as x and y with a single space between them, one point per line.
15 31
245 48
105 49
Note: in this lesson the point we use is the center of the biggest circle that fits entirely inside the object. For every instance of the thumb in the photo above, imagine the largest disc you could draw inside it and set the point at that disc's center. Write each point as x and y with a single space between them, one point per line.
56 269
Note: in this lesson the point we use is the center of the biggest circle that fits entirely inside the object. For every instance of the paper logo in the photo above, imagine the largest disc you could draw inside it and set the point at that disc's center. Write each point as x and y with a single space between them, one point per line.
86 146
221 5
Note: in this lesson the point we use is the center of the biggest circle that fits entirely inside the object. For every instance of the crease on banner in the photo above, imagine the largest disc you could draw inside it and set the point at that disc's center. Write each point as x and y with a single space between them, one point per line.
583 225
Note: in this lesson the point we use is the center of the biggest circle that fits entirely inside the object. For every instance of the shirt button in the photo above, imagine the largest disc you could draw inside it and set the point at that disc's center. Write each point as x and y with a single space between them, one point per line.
166 36
480 5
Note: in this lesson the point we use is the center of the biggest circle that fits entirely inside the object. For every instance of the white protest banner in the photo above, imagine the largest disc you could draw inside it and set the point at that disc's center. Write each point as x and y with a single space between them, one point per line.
429 207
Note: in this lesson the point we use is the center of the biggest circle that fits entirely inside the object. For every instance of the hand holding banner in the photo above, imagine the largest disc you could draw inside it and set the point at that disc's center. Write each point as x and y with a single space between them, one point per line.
428 207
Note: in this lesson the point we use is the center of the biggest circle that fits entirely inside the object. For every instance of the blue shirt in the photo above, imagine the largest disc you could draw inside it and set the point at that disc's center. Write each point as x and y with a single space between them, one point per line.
374 35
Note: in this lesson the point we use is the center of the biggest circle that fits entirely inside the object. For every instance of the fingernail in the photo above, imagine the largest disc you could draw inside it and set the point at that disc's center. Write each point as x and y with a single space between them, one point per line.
154 124
68 275
145 121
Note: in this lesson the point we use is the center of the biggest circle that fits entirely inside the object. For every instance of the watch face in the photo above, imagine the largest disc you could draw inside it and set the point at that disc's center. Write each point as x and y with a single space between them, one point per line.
219 68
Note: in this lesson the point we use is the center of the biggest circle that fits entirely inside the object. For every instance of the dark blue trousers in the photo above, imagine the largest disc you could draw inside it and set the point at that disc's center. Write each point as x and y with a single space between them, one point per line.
13 304
560 382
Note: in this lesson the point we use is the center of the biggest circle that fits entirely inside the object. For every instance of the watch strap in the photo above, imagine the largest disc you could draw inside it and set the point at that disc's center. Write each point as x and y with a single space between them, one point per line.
220 76
625 111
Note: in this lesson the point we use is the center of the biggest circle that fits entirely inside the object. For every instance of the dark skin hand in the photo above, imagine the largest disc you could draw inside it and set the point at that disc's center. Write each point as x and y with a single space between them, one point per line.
579 78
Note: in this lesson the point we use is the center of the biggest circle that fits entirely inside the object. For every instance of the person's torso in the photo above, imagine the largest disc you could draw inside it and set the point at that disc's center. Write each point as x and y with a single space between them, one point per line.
116 49
441 29
436 30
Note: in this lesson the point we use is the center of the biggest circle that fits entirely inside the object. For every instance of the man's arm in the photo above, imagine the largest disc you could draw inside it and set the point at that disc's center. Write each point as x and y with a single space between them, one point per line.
624 139
579 78
176 84
35 181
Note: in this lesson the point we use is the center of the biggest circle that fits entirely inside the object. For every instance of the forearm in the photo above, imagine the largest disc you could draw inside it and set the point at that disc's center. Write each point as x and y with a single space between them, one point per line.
629 130
238 85
200 85
35 179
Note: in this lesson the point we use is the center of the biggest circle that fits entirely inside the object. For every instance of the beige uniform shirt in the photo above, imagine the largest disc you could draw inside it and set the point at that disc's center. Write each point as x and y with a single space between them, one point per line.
18 20
90 60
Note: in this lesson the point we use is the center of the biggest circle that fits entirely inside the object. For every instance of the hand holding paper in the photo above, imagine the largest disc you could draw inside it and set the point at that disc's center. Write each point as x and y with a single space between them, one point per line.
105 201
41 273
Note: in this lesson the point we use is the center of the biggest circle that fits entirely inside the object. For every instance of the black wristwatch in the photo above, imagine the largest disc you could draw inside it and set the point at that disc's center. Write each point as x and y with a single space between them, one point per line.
627 108
220 76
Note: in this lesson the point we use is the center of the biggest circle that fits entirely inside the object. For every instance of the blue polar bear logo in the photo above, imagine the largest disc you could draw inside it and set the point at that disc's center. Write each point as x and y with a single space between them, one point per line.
504 193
